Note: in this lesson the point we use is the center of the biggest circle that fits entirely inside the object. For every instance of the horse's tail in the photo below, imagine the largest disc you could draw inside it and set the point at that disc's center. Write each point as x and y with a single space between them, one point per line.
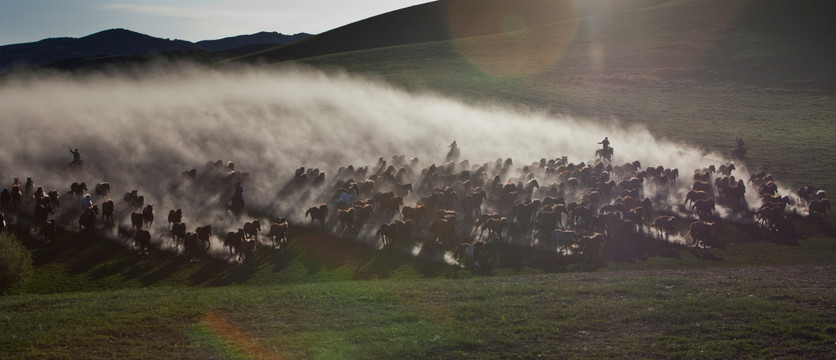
307 212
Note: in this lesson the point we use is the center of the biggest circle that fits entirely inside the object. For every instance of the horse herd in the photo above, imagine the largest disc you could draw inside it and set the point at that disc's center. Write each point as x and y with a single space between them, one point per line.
552 204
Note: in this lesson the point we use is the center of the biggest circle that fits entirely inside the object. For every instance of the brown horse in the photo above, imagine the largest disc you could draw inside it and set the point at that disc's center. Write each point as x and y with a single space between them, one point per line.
55 199
703 232
204 235
107 211
137 220
664 225
819 207
102 189
233 240
175 216
148 215
278 232
348 218
142 239
178 233
252 228
318 213
78 189
88 218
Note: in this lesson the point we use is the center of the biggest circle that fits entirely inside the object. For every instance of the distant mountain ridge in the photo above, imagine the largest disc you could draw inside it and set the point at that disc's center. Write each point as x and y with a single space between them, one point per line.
122 42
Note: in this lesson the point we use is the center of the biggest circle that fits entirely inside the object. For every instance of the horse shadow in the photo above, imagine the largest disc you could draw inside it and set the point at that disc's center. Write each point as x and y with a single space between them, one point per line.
380 266
705 254
172 266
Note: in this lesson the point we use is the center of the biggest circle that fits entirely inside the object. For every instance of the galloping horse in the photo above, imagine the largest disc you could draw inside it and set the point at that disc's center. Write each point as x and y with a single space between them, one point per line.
318 213
236 206
278 232
252 228
87 219
78 189
604 154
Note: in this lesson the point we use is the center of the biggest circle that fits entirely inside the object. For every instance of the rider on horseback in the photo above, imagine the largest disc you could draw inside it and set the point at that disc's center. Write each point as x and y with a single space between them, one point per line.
76 154
238 196
606 144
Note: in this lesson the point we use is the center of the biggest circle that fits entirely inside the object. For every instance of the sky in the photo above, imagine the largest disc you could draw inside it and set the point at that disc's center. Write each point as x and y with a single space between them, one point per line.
32 20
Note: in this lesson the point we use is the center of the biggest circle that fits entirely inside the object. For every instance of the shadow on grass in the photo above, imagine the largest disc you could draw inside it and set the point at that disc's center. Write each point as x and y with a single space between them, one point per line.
381 265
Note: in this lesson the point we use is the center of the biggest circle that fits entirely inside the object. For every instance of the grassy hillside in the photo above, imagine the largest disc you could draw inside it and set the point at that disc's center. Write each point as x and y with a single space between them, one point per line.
719 69
753 312
327 297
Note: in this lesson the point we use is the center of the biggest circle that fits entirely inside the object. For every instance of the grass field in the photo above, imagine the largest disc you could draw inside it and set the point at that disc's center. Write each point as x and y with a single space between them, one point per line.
325 297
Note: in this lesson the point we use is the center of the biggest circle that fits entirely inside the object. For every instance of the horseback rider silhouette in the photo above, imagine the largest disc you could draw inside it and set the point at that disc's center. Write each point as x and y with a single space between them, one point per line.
740 152
76 154
606 144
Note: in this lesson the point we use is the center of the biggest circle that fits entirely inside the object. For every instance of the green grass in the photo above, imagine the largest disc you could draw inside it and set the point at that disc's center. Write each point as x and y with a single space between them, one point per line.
757 297
756 312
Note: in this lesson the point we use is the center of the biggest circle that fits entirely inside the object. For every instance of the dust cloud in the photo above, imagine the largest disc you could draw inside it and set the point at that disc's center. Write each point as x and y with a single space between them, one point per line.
144 129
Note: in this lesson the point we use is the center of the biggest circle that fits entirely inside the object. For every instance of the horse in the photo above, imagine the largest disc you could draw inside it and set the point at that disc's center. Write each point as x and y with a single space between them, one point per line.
88 218
76 165
236 206
5 197
693 196
191 245
564 239
385 234
403 190
233 240
443 230
17 196
318 213
414 213
107 211
726 170
55 199
664 225
175 217
278 232
102 189
148 215
702 232
42 213
29 187
496 227
178 233
142 239
472 253
604 154
252 228
137 220
819 207
204 235
134 200
738 153
705 208
48 230
347 218
247 251
78 189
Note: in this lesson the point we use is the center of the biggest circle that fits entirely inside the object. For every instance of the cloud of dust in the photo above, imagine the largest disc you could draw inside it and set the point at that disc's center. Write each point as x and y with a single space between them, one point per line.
142 132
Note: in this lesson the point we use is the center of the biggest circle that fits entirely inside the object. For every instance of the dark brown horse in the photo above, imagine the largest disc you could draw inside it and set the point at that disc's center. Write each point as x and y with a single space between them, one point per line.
252 228
318 213
78 189
88 218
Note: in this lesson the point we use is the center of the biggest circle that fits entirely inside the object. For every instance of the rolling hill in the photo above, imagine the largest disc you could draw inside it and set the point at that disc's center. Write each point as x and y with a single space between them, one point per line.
109 45
727 68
